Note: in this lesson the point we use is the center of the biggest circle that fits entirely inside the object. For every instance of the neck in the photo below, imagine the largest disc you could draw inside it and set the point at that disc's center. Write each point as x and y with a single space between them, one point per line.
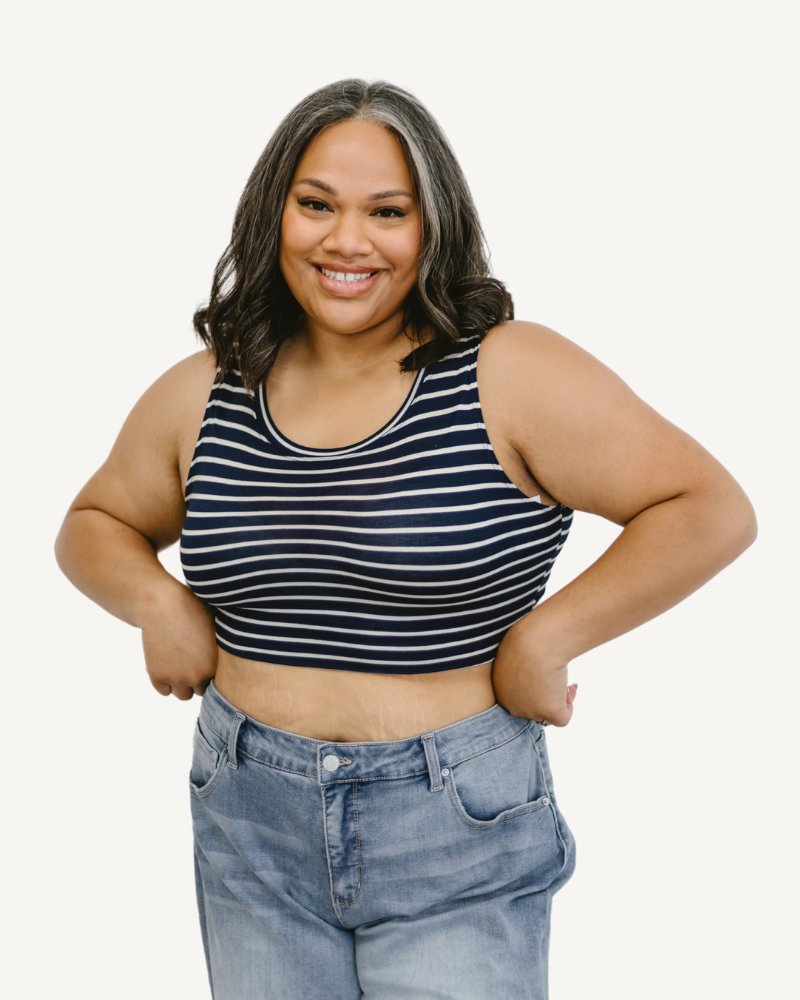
342 354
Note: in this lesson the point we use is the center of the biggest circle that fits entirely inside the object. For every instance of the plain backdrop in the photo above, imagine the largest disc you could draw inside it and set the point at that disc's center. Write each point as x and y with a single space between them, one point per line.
636 168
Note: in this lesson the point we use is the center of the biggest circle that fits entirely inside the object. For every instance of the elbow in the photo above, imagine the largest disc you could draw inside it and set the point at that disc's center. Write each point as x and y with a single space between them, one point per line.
741 527
748 528
61 546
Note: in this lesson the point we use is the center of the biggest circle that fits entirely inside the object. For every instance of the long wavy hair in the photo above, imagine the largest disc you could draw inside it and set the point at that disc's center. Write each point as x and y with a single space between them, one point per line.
251 310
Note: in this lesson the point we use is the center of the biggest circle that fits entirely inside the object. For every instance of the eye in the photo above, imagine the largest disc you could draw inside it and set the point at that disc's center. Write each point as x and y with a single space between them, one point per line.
314 204
390 213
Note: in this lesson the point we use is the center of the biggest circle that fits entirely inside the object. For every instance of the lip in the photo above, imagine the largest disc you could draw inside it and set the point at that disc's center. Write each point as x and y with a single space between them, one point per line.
349 289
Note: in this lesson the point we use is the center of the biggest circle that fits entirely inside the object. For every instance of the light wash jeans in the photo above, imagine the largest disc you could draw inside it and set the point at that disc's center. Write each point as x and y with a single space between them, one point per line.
415 869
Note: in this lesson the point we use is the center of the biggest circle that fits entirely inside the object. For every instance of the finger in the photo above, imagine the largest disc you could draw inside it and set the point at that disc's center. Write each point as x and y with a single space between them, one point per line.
572 690
182 692
161 687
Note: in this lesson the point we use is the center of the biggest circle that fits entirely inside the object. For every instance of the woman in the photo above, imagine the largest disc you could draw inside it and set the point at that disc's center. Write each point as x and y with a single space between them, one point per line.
364 538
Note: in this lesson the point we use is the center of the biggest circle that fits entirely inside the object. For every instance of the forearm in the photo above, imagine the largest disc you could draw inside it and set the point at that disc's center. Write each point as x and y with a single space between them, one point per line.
114 565
664 554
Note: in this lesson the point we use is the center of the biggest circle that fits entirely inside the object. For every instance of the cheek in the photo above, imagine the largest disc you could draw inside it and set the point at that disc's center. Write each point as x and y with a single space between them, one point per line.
407 250
297 238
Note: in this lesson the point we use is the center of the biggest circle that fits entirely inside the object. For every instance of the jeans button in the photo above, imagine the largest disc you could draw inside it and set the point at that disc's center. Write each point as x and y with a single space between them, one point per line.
330 762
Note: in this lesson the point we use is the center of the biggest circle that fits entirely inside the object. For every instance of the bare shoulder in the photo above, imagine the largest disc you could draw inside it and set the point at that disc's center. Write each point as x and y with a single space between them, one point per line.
585 436
169 415
141 481
534 350
175 402
186 384
533 374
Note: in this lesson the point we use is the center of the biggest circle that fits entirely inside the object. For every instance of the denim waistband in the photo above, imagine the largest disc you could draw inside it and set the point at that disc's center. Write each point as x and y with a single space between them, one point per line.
366 761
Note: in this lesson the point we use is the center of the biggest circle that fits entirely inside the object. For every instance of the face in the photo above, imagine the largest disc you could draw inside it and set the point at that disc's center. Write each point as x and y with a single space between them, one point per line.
351 230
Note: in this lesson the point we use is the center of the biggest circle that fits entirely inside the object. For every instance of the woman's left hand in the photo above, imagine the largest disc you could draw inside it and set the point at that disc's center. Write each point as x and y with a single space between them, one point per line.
529 686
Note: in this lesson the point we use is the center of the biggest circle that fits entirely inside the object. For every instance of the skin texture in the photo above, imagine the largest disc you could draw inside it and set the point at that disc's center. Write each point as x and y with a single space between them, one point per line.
561 424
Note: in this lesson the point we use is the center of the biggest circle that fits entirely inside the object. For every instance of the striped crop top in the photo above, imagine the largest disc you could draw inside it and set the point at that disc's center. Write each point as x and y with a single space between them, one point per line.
408 552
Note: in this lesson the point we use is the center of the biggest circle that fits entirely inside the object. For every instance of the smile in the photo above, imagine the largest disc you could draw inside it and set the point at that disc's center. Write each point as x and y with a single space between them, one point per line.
346 276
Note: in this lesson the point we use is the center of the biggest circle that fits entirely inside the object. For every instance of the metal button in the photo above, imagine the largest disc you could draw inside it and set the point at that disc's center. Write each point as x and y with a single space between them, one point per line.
445 771
330 762
546 802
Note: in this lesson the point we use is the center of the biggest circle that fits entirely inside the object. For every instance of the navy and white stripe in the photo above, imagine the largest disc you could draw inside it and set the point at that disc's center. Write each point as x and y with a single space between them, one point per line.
408 552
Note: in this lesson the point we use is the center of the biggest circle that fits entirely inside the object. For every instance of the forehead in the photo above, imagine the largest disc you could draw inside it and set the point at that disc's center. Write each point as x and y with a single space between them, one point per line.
356 153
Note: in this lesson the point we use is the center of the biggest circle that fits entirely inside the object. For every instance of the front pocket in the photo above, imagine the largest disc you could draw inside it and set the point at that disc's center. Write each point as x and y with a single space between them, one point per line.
497 785
207 759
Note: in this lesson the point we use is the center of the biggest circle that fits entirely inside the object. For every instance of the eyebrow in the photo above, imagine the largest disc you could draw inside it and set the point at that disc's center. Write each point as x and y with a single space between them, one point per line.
394 193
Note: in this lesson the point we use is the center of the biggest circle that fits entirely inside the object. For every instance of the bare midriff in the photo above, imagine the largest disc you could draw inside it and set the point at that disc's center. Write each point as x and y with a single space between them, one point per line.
348 706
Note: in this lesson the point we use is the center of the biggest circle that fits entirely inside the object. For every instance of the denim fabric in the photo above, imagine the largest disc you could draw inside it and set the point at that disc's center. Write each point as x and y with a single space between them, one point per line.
414 869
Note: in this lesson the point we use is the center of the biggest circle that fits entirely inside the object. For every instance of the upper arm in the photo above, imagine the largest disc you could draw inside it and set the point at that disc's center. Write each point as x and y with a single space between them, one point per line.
586 437
141 482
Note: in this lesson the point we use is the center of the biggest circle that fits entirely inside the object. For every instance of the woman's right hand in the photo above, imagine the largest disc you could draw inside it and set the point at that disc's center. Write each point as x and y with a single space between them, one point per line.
179 641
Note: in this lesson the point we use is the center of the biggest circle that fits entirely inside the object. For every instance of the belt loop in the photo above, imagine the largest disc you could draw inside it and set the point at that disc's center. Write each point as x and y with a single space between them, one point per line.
233 736
429 743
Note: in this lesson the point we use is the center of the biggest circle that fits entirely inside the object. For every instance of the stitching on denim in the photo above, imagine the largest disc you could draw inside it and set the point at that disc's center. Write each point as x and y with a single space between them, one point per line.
432 759
278 767
490 824
233 739
350 902
203 743
378 777
494 746
334 897
269 763
564 851
201 791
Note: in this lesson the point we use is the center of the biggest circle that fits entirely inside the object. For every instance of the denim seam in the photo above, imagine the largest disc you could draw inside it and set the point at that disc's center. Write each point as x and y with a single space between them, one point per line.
269 763
334 897
494 746
201 791
376 777
203 743
349 902
564 851
381 777
490 823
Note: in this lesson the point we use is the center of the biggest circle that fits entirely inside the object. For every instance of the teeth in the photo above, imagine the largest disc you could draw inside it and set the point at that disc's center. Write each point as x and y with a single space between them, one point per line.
344 276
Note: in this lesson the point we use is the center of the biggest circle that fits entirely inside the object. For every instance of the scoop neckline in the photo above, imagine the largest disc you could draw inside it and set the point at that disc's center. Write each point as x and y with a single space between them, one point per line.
266 418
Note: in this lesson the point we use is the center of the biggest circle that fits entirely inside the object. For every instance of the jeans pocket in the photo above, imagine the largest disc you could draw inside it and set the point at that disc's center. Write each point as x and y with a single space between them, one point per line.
208 759
499 784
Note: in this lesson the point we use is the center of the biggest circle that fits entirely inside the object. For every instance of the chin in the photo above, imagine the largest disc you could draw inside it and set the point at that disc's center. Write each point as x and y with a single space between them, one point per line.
349 322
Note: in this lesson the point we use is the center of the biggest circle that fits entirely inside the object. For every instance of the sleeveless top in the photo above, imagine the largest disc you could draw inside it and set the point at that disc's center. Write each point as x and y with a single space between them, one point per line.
408 552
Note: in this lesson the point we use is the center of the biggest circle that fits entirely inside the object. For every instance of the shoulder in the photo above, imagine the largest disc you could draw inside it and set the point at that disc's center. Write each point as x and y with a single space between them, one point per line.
179 396
537 367
186 381
167 418
140 483
516 342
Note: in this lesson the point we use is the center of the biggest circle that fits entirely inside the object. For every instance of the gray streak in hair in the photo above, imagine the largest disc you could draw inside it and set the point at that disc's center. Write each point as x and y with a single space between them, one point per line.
251 310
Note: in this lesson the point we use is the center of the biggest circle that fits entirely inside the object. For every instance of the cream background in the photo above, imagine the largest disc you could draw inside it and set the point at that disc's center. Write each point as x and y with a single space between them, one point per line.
636 166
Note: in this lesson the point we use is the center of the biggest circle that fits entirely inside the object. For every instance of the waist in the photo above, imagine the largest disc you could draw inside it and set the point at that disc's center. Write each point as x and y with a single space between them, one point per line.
348 706
363 759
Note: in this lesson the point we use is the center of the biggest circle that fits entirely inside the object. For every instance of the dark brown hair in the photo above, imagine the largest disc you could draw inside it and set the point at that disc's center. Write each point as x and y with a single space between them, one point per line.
251 310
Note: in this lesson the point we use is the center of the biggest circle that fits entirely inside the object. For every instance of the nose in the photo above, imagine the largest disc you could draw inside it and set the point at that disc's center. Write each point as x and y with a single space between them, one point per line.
347 236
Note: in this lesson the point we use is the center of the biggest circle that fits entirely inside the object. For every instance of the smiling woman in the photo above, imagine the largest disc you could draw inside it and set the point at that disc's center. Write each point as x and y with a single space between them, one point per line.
350 240
371 471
